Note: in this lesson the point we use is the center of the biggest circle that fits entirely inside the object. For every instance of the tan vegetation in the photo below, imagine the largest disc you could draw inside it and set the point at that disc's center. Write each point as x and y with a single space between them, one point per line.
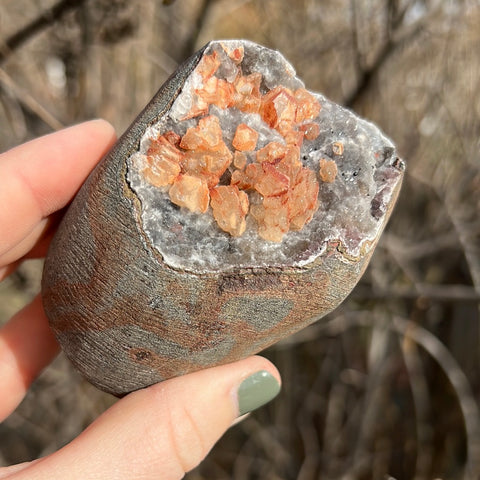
389 383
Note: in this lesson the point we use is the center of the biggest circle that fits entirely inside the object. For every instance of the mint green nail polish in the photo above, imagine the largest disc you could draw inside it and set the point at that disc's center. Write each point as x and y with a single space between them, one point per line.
256 390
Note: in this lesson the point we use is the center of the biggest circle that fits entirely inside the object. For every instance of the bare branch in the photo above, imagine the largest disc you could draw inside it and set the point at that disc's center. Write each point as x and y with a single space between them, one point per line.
190 45
44 20
395 41
439 293
459 382
28 101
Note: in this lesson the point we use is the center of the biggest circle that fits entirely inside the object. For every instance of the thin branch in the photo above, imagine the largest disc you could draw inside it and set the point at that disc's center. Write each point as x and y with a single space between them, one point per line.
44 20
438 293
459 382
419 249
191 42
369 73
7 83
391 45
359 59
422 405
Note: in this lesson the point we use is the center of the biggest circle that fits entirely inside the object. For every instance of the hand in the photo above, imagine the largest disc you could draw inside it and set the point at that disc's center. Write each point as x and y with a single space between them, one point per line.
159 432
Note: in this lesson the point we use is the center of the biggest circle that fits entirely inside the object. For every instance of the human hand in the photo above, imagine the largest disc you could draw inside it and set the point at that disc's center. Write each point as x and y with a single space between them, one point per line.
159 432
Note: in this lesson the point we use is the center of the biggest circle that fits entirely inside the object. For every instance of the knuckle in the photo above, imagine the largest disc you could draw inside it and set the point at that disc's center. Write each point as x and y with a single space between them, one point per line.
188 442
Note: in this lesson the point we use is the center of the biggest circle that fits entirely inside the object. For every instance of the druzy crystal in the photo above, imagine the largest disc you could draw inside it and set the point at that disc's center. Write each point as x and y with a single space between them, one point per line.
248 168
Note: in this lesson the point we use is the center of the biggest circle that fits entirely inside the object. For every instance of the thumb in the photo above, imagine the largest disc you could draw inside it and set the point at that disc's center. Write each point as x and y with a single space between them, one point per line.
165 430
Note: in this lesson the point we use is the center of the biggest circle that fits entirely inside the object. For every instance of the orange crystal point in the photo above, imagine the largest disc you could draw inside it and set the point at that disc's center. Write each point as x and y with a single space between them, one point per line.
290 164
328 170
272 218
245 138
338 148
190 192
160 171
249 85
206 136
308 107
303 199
235 54
163 161
239 160
217 92
207 155
209 166
311 130
164 146
230 206
247 95
273 152
271 182
208 65
278 108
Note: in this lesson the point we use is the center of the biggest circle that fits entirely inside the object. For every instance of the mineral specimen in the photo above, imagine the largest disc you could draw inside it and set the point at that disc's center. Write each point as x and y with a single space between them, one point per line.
237 208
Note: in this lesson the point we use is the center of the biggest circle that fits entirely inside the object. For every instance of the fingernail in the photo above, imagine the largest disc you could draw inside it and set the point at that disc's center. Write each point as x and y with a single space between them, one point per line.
256 390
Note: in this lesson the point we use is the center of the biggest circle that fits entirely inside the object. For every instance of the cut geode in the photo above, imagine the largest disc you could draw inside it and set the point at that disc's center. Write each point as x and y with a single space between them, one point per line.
351 165
237 209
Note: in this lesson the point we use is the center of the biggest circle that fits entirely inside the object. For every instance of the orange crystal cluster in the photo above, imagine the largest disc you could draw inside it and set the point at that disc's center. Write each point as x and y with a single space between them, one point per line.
193 165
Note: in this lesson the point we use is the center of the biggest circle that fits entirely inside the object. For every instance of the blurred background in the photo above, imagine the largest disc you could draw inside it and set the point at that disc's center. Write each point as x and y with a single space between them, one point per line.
388 385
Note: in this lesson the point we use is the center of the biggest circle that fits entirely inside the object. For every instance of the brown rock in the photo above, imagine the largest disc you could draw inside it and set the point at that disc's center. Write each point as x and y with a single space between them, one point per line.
138 289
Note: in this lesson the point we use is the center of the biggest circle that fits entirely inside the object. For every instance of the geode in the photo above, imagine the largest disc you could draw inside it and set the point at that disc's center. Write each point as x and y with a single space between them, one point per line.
237 209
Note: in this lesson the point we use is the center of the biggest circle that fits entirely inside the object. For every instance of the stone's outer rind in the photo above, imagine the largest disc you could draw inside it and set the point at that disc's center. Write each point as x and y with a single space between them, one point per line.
127 320
98 263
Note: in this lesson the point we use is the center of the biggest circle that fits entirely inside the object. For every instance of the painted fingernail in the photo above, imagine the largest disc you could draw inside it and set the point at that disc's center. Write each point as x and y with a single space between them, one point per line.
256 390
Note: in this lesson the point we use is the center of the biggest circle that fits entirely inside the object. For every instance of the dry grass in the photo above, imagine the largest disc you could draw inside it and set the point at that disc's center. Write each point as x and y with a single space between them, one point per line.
389 383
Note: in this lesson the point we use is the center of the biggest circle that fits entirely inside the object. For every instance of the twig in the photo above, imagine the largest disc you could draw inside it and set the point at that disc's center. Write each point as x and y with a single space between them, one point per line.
419 249
358 57
45 19
28 101
459 191
191 42
391 45
439 352
440 293
459 382
15 116
422 404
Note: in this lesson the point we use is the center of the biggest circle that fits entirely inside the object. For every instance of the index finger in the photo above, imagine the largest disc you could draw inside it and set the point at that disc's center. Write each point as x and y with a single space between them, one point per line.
41 177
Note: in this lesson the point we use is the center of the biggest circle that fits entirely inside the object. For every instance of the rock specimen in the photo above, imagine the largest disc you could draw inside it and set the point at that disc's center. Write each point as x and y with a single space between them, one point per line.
238 208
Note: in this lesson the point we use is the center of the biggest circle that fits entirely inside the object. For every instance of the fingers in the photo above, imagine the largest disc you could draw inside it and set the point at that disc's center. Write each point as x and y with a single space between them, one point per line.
7 270
165 430
37 179
7 472
25 244
42 176
27 345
